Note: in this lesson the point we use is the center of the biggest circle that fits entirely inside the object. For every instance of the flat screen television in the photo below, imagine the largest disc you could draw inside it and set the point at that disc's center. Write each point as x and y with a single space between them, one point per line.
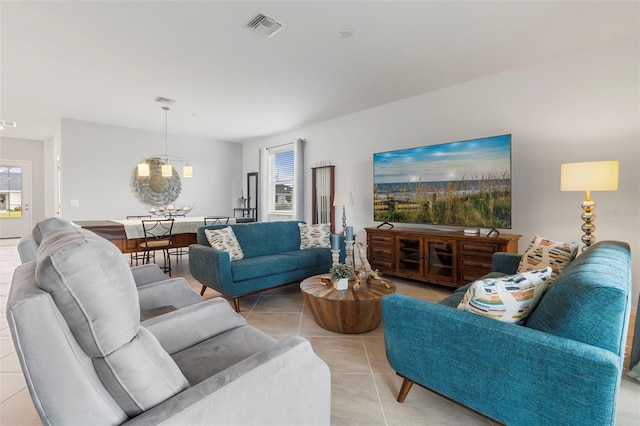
465 183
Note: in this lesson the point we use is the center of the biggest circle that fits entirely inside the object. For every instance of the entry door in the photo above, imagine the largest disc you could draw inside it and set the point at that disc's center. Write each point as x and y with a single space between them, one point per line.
15 198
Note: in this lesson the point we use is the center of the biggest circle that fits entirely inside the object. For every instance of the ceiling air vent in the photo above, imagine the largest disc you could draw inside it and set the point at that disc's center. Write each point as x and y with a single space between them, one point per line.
265 25
6 124
165 101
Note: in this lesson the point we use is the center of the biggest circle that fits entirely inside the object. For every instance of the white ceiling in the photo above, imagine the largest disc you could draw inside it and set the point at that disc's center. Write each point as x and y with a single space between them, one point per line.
106 61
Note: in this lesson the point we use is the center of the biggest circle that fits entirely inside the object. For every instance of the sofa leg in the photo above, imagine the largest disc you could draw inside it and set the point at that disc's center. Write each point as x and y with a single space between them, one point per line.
404 389
236 304
204 287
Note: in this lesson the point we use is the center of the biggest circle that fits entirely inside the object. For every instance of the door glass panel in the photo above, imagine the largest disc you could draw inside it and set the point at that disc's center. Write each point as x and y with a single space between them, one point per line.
441 259
10 192
409 255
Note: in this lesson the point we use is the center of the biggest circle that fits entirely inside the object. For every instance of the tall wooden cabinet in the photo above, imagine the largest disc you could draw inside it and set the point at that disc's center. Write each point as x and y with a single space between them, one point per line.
440 257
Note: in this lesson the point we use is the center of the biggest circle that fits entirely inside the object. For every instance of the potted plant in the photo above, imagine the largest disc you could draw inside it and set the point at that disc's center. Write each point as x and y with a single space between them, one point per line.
340 275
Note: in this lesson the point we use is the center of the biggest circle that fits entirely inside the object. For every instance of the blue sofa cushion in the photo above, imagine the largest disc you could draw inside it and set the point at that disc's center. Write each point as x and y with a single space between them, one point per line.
263 238
310 258
262 266
585 301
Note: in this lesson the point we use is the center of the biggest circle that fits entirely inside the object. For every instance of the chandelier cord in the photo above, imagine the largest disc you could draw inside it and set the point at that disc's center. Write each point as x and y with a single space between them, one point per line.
166 138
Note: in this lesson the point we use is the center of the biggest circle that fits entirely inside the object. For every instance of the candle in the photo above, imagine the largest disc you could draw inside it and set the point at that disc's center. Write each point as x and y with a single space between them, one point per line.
335 242
170 207
349 233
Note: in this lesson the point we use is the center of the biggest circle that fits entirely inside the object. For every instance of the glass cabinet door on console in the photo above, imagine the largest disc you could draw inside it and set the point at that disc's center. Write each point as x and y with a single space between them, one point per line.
410 259
433 258
440 260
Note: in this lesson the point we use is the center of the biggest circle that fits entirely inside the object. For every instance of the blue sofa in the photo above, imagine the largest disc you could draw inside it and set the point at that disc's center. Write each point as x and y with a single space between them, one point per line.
272 258
563 366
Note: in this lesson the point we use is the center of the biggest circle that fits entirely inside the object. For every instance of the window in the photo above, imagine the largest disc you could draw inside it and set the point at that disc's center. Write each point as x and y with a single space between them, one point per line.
10 191
283 184
281 166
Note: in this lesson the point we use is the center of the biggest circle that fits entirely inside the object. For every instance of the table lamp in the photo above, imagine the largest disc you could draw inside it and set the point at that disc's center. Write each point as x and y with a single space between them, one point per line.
589 176
343 199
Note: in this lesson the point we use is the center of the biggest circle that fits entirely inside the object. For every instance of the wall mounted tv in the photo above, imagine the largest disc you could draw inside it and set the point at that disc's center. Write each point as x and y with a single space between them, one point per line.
466 183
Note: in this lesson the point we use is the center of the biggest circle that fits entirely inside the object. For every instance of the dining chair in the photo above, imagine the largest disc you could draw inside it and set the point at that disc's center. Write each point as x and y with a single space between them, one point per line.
178 252
137 256
158 235
215 220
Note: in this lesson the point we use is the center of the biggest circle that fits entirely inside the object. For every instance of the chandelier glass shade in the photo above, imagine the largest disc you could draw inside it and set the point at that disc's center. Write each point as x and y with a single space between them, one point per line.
144 169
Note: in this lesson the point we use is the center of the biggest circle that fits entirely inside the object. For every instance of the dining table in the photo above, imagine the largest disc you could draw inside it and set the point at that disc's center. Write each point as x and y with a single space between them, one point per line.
127 234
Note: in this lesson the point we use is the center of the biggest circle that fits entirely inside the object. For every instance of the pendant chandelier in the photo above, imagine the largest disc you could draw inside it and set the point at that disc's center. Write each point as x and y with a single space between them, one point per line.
144 169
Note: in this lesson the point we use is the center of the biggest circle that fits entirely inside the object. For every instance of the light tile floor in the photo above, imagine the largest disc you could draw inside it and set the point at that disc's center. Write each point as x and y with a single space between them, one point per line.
364 386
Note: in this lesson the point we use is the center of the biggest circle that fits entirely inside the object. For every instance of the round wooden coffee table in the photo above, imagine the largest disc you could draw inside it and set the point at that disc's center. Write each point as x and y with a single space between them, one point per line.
345 311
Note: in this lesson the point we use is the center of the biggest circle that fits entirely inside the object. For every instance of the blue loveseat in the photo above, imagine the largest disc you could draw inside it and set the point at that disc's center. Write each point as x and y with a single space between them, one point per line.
563 366
272 258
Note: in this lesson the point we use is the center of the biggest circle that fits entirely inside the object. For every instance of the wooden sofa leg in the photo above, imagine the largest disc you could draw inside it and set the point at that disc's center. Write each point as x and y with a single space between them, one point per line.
204 287
404 389
236 304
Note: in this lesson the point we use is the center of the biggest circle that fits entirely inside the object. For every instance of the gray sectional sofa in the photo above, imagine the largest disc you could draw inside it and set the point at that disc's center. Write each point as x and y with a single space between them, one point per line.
272 258
87 359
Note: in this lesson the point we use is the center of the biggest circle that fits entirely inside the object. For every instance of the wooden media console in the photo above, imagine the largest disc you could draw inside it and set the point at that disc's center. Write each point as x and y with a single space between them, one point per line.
450 258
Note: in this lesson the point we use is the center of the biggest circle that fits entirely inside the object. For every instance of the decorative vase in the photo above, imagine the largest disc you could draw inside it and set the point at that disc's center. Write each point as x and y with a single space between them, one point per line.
341 284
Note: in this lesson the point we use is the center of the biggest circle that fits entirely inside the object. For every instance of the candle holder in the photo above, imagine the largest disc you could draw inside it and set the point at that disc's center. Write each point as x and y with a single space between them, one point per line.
349 254
335 256
169 211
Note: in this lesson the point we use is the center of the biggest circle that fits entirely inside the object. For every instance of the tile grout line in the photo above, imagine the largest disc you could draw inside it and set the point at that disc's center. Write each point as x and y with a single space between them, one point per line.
301 316
375 384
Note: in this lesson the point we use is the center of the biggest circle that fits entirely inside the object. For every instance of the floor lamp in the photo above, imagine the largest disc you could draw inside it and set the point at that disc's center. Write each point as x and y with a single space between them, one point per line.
589 176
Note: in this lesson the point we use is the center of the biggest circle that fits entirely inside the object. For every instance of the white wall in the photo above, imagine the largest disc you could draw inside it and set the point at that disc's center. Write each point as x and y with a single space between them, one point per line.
28 150
98 162
576 108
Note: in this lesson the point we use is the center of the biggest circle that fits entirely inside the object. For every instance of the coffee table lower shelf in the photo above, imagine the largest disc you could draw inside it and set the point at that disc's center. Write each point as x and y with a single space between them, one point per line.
345 311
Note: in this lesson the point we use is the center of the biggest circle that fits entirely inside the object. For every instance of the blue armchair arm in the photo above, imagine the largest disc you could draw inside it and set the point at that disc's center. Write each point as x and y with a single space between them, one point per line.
506 263
508 372
211 267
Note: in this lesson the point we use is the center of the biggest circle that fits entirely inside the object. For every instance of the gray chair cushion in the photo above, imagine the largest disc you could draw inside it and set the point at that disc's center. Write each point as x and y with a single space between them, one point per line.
46 225
92 286
27 249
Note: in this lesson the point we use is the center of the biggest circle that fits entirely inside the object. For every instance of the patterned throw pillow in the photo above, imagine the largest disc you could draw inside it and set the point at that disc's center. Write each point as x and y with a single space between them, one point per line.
315 236
542 253
225 239
508 299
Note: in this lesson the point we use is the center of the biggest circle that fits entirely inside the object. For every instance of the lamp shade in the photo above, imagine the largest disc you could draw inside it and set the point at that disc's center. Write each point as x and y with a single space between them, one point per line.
187 171
343 199
167 170
589 176
144 170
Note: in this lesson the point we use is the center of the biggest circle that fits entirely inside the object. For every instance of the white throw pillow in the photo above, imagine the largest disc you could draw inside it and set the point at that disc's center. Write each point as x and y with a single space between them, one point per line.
508 299
225 239
315 236
542 253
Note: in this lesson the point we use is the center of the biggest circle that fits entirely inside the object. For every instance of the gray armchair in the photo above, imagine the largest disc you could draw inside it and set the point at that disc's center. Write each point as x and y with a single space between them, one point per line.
87 359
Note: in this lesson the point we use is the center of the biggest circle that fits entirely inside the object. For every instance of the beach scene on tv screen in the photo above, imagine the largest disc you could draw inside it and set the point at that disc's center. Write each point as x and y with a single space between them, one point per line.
466 183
